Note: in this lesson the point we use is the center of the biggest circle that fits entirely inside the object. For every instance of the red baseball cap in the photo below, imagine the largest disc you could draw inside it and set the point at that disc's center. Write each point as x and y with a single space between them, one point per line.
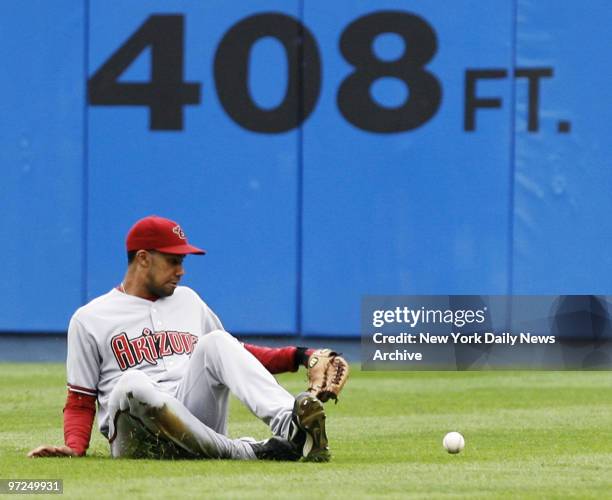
163 235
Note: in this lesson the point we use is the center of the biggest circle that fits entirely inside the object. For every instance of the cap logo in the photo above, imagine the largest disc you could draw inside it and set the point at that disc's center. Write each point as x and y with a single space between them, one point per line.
179 232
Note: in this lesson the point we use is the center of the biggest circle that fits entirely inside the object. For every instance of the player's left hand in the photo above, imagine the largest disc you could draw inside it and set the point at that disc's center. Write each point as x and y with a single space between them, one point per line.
52 451
327 374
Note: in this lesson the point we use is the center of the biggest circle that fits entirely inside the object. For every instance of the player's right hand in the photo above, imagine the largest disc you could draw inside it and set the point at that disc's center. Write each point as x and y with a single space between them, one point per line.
52 451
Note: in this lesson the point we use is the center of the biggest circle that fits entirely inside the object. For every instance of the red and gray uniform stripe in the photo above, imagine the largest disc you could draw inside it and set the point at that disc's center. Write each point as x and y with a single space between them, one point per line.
82 390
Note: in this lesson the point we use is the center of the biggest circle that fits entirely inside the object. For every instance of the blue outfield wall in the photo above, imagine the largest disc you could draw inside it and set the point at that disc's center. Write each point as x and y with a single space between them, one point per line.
42 139
319 151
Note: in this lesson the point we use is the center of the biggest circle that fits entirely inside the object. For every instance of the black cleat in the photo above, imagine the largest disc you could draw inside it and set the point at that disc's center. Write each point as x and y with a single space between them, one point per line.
275 448
308 428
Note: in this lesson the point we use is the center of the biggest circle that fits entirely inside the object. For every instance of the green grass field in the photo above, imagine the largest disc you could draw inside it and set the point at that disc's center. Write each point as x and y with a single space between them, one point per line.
529 435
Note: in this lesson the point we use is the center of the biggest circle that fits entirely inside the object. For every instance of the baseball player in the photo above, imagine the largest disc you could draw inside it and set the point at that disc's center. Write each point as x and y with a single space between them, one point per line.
161 367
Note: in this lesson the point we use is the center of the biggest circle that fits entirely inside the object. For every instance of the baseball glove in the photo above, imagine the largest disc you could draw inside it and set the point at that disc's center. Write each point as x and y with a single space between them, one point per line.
327 374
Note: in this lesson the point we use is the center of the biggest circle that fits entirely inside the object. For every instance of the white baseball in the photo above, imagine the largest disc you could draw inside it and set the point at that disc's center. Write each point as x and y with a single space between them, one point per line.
453 442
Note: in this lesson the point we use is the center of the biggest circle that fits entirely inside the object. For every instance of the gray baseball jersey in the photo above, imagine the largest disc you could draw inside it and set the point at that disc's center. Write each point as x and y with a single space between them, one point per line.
117 332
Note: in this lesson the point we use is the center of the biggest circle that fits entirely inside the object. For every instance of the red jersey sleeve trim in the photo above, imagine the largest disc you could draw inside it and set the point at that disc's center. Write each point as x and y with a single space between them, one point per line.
82 390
